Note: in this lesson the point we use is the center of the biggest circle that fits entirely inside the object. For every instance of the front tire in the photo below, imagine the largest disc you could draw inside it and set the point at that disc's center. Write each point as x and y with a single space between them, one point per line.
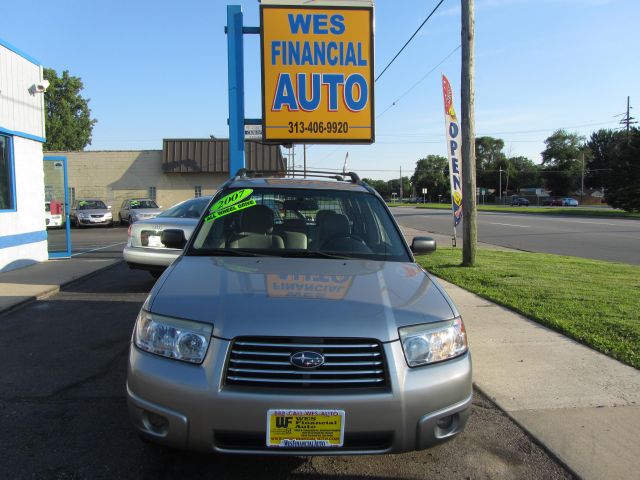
120 219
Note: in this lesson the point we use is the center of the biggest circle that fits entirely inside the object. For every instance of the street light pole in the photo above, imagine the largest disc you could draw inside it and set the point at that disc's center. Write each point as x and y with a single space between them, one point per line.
500 184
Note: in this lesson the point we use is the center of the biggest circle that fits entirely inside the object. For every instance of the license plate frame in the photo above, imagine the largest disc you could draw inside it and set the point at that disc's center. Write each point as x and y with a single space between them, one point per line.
305 428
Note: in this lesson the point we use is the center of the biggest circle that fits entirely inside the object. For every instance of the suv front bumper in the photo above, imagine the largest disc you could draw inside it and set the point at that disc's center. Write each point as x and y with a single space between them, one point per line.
189 406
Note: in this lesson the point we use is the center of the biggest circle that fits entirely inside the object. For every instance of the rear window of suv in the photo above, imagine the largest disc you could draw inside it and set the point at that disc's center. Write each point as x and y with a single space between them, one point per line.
298 222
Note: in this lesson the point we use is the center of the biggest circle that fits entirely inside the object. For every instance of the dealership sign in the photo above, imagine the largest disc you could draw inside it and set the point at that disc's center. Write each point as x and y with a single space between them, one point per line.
317 72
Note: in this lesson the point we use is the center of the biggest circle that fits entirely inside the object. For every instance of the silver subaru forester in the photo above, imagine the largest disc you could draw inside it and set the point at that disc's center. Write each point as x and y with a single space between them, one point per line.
297 322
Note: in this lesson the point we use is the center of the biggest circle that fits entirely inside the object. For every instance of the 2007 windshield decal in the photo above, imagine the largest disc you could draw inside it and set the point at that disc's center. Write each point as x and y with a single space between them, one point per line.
231 203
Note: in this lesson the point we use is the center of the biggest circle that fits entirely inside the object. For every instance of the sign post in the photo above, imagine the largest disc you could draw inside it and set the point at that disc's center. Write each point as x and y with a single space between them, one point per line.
236 88
317 72
424 195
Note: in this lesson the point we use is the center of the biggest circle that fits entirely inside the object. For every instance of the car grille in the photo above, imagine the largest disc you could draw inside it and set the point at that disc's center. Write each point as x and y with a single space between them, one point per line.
367 441
264 361
96 216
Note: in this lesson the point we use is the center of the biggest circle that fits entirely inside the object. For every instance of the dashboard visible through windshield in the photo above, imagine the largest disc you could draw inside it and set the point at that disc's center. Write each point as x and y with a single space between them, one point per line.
299 223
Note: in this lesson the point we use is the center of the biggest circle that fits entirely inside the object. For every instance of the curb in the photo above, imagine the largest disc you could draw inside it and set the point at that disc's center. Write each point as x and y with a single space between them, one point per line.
528 433
56 289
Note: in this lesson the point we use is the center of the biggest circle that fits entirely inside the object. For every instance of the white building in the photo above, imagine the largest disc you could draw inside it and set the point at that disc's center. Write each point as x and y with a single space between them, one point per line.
23 235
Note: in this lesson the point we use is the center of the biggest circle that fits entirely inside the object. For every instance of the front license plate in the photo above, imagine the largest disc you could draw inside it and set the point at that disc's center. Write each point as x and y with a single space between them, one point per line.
305 428
96 220
154 241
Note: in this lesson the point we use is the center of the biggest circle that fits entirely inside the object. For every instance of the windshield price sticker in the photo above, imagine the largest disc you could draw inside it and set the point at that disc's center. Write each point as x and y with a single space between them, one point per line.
305 428
231 203
317 73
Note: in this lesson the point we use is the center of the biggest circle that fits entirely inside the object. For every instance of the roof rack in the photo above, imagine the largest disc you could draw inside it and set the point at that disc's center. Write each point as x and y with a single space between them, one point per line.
339 176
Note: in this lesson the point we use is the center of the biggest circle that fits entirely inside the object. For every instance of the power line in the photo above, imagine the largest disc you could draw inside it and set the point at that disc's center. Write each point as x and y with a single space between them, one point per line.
418 82
411 38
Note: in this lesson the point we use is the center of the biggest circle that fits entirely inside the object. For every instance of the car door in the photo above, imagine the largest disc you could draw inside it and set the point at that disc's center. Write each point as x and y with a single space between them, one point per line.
124 210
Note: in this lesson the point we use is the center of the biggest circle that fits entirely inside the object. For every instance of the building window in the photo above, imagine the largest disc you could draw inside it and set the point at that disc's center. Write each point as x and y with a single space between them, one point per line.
152 193
72 194
7 184
198 191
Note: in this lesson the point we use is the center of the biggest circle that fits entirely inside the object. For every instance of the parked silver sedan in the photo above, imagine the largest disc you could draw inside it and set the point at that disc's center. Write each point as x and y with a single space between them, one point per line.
90 213
145 250
135 209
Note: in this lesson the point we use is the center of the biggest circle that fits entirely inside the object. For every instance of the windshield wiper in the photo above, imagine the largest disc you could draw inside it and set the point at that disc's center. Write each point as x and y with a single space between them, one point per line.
315 254
223 252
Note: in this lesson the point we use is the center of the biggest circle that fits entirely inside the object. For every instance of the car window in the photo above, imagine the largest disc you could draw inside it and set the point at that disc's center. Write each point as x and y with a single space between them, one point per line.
321 223
91 205
143 204
188 209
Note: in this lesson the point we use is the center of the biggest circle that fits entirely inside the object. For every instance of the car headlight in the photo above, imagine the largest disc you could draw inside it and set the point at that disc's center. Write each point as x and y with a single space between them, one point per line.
433 342
171 337
108 215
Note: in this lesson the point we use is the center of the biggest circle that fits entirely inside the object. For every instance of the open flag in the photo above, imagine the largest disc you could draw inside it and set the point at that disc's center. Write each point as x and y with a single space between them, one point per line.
453 150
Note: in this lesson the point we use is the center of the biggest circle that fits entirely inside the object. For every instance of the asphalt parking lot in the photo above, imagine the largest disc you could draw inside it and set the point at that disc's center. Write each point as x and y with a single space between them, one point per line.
63 410
87 240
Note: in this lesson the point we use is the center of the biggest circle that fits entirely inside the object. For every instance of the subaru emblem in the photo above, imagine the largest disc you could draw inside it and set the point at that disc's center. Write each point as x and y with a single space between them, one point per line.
306 359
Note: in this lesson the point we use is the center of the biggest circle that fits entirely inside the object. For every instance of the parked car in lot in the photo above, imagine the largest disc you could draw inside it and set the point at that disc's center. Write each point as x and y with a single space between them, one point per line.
308 331
519 202
569 202
52 219
134 209
90 213
145 250
552 202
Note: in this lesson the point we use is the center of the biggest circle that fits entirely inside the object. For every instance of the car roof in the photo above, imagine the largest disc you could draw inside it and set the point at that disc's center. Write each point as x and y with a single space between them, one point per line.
295 183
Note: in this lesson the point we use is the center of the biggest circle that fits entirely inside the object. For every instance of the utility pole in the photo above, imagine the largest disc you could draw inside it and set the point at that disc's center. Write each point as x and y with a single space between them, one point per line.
469 224
401 183
582 180
304 154
627 119
500 184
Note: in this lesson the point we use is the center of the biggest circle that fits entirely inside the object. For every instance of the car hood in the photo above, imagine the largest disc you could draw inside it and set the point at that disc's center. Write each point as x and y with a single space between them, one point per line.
94 211
274 296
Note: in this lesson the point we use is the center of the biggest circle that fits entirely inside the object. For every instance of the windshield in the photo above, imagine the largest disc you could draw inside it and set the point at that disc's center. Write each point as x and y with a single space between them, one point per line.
188 209
91 205
143 204
299 223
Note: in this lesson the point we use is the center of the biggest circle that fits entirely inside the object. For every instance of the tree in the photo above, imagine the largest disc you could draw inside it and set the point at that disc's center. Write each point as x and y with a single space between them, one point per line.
562 162
603 145
381 186
615 165
489 160
521 173
432 173
623 190
68 118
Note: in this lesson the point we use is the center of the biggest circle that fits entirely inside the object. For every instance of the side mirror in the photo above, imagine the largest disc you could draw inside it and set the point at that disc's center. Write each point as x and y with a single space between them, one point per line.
173 238
422 245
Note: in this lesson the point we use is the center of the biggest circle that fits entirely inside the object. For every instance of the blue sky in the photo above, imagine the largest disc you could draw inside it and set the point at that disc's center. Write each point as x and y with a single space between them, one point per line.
156 69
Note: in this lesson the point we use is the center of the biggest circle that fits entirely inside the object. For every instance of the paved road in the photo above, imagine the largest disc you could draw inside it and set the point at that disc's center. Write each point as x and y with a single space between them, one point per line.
616 240
63 412
87 240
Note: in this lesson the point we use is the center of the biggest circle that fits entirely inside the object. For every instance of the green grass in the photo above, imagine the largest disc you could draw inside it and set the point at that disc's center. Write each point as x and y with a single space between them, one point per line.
585 212
594 302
